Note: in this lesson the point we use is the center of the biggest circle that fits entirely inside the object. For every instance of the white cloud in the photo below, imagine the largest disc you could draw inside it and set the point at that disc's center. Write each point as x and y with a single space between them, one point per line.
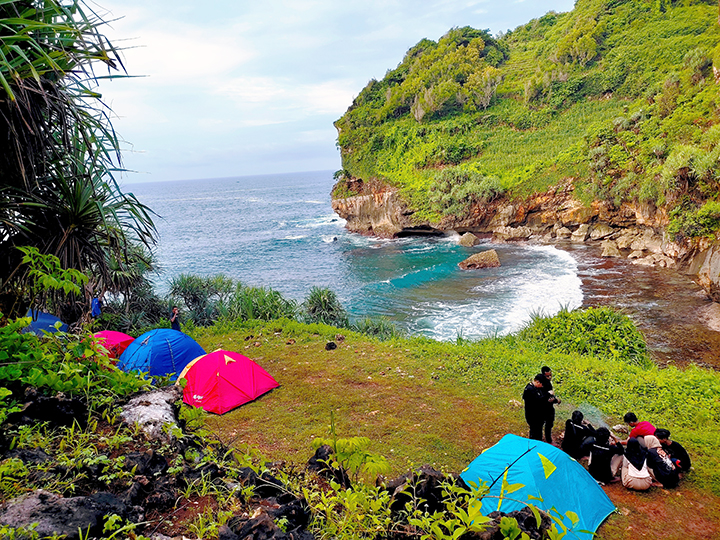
271 75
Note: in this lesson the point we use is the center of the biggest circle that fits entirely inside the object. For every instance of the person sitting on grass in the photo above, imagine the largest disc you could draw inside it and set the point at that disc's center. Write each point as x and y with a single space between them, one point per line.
662 467
605 457
674 449
579 436
639 429
635 473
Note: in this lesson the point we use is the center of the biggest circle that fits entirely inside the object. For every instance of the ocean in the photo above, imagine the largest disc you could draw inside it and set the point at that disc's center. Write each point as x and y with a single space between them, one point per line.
280 231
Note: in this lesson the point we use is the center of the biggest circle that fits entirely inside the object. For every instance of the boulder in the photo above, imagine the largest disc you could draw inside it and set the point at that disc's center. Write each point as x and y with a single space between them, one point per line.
153 411
627 238
484 259
469 240
610 249
425 485
58 410
600 231
648 241
57 516
563 232
581 234
636 255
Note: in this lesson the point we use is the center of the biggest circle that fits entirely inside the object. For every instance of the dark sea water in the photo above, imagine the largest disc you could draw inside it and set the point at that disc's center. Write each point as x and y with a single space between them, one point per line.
280 231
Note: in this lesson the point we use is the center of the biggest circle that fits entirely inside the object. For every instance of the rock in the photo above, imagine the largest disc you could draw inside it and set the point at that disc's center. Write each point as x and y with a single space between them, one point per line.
610 249
648 241
655 259
636 255
58 410
626 238
153 411
581 234
484 259
56 516
146 463
600 231
320 463
505 234
563 232
296 513
469 240
425 485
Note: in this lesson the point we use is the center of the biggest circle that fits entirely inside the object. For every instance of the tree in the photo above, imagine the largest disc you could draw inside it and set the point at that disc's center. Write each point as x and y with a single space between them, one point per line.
58 149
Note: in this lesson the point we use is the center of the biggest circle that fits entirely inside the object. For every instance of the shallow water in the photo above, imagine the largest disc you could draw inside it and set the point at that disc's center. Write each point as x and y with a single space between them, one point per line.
280 231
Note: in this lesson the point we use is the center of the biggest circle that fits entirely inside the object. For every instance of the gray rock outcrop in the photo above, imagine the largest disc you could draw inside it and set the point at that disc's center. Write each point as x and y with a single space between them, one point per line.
154 412
57 516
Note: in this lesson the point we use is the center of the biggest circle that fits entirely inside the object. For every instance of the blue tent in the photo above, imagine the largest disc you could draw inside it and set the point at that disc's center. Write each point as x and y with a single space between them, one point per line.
519 469
43 321
160 352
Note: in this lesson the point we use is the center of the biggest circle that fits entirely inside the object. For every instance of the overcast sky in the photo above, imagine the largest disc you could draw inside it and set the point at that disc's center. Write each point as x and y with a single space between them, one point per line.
235 87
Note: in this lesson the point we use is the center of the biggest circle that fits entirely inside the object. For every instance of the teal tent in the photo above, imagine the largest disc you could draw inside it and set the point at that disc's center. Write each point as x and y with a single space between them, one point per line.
521 471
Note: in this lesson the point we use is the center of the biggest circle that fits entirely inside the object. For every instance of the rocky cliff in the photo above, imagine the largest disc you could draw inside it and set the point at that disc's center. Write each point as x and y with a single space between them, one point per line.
632 230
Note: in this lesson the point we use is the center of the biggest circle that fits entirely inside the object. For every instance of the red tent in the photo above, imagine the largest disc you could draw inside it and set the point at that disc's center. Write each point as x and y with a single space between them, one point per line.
114 342
222 380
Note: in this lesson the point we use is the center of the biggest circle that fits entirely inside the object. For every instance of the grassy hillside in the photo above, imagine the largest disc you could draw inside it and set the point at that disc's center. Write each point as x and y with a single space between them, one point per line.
619 95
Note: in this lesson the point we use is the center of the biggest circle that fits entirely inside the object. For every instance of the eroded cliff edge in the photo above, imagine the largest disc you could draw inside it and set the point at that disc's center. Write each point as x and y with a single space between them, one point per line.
632 230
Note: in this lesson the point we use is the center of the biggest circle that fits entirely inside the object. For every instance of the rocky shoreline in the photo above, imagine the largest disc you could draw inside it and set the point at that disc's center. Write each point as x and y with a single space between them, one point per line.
632 230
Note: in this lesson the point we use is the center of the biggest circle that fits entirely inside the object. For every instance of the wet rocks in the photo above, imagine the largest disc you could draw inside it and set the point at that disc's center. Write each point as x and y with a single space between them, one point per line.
469 240
610 249
484 259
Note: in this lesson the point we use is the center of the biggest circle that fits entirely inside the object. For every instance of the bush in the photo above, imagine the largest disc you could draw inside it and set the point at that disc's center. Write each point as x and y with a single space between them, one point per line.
322 306
378 327
602 332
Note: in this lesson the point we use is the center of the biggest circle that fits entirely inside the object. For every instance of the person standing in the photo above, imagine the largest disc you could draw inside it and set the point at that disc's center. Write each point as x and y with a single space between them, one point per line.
535 406
550 401
175 319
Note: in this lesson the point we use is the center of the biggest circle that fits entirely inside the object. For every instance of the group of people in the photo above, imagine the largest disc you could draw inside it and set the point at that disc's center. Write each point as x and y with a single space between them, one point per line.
648 456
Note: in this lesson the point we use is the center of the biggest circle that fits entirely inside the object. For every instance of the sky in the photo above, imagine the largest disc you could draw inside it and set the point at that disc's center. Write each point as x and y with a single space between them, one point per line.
236 87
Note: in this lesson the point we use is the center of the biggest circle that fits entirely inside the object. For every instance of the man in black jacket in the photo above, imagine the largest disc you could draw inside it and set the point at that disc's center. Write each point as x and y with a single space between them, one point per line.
550 401
674 449
535 406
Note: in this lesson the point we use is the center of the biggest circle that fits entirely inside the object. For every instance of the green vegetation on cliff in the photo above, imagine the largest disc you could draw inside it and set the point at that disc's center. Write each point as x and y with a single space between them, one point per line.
618 95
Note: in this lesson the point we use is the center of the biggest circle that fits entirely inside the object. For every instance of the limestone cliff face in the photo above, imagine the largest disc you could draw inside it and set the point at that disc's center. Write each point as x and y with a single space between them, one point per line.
632 230
379 213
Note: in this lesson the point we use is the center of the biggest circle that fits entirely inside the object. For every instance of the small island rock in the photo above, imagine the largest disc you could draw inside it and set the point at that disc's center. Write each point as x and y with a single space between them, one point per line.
484 259
469 240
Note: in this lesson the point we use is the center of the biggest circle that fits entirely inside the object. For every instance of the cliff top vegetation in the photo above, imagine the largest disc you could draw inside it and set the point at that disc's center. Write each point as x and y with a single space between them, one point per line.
618 95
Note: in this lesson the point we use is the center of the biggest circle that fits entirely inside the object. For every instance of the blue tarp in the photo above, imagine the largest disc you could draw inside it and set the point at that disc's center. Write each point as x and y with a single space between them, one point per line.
525 471
160 352
43 321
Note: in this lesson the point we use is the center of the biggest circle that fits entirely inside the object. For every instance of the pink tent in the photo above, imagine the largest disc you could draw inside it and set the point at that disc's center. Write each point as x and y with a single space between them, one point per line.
114 342
222 380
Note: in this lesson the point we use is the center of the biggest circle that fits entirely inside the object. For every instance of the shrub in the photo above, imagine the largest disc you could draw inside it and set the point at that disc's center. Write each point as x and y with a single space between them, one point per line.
322 306
602 332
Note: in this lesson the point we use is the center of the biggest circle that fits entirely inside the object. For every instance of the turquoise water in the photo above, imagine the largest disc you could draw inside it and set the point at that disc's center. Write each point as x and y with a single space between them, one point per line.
280 231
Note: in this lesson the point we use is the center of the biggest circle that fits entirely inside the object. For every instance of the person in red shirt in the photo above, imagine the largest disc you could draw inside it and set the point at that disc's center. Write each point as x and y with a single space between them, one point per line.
639 429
